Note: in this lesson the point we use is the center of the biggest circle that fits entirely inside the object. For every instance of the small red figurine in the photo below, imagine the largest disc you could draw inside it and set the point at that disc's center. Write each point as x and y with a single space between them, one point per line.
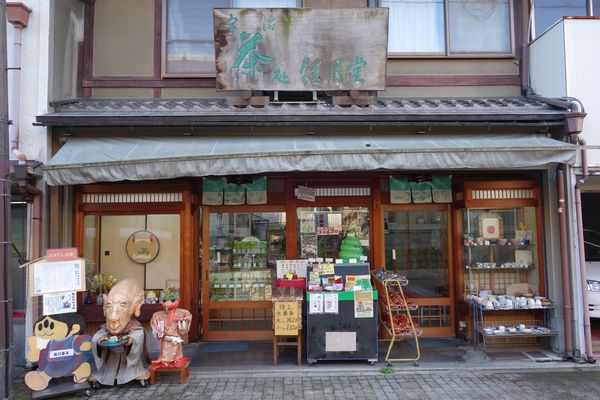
169 326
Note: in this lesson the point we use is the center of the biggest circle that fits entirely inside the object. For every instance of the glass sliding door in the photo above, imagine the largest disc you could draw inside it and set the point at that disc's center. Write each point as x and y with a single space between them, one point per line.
417 246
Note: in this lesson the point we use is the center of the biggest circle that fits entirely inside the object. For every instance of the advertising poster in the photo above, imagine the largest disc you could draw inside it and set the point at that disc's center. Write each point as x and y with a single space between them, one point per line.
316 303
59 303
331 303
363 304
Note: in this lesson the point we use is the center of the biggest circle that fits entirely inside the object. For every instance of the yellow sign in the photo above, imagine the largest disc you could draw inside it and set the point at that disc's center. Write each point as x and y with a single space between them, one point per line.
286 318
328 269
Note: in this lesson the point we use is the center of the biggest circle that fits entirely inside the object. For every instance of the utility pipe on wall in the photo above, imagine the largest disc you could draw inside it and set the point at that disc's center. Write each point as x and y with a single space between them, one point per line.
18 15
564 262
583 273
15 94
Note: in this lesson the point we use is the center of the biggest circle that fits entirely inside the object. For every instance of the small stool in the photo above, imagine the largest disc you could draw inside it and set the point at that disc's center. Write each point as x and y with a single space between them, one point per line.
296 340
183 369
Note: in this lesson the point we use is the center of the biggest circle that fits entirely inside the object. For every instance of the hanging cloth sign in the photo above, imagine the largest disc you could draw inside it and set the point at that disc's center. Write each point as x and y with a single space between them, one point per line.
212 191
256 192
399 191
441 189
234 194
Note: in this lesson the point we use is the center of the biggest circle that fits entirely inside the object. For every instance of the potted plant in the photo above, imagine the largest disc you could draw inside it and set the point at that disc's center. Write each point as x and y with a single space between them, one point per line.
102 283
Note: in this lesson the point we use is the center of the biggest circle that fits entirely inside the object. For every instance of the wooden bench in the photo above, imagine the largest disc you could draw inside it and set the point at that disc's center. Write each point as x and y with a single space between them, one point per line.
157 369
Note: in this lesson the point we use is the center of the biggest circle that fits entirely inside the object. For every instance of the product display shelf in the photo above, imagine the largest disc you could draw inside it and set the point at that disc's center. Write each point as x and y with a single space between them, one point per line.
395 316
488 330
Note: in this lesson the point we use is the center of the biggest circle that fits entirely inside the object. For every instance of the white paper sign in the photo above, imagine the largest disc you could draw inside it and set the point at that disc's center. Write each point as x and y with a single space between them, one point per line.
316 303
297 267
331 303
58 276
305 193
59 303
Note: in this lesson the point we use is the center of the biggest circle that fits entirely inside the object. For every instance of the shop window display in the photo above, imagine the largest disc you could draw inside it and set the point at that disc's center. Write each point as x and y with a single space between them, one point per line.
500 251
244 249
145 248
322 230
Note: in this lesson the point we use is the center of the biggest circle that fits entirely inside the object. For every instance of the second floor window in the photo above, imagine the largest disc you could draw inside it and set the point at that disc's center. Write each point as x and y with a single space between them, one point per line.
449 27
188 44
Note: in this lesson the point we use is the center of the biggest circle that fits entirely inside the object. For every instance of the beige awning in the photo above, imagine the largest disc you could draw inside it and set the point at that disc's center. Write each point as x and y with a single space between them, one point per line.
109 159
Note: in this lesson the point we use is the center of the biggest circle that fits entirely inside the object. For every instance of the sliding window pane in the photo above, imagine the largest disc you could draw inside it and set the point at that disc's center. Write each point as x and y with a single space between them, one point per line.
415 26
479 26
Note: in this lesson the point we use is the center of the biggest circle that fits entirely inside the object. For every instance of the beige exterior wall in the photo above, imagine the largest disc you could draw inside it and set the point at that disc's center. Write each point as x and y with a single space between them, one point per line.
123 38
452 66
450 91
192 93
117 93
122 48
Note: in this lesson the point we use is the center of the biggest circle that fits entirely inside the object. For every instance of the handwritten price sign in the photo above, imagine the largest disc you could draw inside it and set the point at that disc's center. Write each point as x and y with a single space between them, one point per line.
286 318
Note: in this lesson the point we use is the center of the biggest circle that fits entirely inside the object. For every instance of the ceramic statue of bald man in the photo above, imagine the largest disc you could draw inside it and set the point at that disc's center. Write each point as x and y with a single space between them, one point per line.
118 346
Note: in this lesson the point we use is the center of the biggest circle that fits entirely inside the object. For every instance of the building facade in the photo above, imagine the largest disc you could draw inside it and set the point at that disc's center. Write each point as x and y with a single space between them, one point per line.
446 173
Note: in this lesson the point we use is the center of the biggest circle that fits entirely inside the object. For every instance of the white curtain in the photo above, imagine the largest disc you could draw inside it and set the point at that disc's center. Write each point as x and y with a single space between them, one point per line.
416 26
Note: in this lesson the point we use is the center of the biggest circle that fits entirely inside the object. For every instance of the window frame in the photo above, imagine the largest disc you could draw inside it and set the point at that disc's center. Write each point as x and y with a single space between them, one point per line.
163 47
447 54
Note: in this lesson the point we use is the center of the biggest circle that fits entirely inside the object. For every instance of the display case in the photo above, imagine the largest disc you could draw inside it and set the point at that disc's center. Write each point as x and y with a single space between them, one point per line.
499 251
233 285
500 262
239 273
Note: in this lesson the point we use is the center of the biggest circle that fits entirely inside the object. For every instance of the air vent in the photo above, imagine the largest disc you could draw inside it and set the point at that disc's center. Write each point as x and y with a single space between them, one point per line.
503 194
112 198
343 192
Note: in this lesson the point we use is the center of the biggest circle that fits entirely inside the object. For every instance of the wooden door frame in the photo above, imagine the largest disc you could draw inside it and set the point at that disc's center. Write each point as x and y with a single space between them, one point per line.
186 227
207 305
447 207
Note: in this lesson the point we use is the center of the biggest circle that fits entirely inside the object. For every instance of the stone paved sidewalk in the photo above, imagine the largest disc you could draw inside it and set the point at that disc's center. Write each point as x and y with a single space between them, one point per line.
564 382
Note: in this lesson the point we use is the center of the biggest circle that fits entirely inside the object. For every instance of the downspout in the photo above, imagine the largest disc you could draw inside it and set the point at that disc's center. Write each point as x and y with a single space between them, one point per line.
15 96
583 272
18 16
564 262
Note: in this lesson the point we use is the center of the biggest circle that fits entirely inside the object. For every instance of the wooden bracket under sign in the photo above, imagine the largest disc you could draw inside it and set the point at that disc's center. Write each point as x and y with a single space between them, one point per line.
248 99
355 97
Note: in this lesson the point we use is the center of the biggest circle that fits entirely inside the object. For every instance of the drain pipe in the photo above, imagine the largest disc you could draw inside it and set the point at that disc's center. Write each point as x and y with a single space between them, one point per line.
583 272
18 15
564 262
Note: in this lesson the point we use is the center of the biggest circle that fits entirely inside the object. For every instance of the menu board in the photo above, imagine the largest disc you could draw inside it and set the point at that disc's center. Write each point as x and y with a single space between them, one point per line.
286 318
57 276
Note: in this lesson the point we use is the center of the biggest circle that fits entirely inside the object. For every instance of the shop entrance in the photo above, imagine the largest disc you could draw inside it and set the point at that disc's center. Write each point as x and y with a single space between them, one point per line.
416 241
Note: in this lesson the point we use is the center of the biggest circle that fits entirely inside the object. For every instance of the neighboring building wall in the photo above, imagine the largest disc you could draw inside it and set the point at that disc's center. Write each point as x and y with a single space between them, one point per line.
563 64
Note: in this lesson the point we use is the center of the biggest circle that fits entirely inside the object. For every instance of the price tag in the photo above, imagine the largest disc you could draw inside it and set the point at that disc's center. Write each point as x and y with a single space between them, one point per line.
352 261
339 261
